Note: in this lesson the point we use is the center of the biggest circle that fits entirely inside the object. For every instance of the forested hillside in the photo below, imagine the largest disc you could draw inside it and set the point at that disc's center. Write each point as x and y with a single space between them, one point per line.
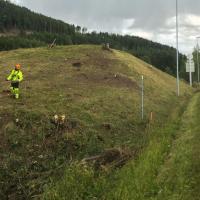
30 29
15 17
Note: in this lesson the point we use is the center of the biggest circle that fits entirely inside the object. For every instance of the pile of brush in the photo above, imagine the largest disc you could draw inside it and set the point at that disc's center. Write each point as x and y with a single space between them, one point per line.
110 158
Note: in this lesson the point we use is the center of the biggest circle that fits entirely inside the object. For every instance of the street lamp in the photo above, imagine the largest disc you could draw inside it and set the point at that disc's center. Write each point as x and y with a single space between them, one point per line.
177 53
198 57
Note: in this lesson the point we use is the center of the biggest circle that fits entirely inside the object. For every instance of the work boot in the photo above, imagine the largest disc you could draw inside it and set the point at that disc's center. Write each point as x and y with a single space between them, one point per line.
16 93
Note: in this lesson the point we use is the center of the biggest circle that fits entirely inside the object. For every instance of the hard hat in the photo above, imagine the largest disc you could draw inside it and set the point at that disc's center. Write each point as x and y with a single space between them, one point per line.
17 66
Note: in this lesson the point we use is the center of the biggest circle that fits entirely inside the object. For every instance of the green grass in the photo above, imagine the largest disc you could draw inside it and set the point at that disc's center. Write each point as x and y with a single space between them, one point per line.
36 156
137 180
179 178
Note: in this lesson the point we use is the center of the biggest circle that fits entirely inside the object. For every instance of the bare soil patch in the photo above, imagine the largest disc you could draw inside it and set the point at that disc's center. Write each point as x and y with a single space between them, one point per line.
114 80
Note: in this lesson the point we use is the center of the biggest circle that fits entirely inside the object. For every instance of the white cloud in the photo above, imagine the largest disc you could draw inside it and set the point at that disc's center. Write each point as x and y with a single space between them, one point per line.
192 20
16 1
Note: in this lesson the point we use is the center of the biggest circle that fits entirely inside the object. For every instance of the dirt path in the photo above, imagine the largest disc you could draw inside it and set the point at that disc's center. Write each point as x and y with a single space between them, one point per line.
179 178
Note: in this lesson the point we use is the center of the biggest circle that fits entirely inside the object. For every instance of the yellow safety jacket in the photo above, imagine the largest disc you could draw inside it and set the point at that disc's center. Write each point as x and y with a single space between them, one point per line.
15 75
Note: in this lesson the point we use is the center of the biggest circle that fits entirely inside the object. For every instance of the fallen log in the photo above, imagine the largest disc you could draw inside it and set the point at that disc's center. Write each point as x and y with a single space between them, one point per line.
111 158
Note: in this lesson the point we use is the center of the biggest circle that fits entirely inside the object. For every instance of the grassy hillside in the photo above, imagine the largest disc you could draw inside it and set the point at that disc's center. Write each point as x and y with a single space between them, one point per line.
99 92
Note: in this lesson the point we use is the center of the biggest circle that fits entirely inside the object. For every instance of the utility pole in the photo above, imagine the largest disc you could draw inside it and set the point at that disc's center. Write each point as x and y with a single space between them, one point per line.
190 74
177 51
198 58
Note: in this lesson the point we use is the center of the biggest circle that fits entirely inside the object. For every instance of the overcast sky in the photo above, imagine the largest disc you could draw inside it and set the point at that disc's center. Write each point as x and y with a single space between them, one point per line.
150 19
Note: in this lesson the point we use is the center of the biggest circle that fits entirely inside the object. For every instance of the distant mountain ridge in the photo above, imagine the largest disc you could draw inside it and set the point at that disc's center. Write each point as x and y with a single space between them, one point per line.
23 28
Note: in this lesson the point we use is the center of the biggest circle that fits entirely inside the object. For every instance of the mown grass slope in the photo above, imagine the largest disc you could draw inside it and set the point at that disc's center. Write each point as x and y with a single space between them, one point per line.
98 91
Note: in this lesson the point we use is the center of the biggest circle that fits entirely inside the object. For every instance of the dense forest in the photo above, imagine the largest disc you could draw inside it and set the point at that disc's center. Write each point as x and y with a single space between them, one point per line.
30 29
16 17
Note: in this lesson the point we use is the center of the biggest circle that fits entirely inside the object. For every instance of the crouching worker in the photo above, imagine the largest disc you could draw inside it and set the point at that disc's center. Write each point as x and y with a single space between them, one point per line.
16 76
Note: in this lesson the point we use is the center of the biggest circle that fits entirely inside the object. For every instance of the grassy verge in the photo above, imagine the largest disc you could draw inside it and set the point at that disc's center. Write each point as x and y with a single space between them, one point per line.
136 180
179 178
